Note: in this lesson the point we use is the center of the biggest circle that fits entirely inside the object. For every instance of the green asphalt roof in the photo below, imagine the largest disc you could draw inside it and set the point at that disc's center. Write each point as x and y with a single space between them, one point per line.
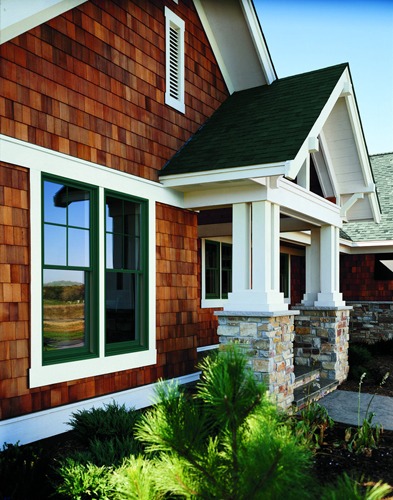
258 126
382 166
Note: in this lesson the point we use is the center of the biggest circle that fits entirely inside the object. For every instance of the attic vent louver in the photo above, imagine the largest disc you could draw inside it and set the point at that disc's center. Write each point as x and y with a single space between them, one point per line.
174 95
174 59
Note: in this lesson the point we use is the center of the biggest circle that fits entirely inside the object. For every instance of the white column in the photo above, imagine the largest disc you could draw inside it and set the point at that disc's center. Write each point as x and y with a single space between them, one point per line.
241 246
329 295
264 293
313 260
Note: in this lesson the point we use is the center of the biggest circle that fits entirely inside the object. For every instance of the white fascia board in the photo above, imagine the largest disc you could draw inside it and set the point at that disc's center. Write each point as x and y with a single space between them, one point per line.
364 247
181 181
34 157
19 16
296 164
299 237
214 45
259 41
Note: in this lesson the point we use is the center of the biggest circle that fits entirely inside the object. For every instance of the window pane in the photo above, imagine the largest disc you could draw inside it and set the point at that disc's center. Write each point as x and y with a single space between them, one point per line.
131 253
78 208
64 315
284 274
131 218
55 245
120 307
212 253
55 203
115 254
212 283
78 247
114 215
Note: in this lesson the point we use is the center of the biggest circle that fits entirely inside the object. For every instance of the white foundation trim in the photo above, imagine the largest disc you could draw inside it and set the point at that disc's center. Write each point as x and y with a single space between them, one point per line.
48 423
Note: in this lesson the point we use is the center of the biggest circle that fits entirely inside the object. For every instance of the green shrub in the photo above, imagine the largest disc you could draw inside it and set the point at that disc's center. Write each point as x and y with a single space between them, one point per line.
22 472
359 357
227 441
348 489
103 424
84 481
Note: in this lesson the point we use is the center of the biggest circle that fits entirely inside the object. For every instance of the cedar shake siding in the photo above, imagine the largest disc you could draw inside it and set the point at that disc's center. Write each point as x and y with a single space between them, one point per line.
357 279
91 84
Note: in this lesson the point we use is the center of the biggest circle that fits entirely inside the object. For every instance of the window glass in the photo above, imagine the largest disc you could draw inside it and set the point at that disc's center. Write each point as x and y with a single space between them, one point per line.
218 269
64 313
78 247
55 245
120 307
284 274
55 205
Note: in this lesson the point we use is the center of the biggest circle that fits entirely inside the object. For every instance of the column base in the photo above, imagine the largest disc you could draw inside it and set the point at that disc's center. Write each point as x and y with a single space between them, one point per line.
255 301
329 299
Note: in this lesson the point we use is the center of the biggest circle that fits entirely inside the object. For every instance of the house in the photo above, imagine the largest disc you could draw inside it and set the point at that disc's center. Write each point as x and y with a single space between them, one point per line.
366 267
156 180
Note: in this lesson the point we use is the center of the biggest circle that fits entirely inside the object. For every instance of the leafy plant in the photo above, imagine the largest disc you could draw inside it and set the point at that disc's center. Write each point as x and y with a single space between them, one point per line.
367 436
227 441
311 424
359 357
84 481
352 490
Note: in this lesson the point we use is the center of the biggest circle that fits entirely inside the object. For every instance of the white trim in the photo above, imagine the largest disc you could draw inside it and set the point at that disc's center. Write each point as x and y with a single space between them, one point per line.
259 41
43 424
174 22
19 16
186 182
39 160
208 347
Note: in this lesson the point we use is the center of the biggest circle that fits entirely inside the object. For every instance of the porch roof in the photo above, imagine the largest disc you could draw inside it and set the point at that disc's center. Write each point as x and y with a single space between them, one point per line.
263 125
382 166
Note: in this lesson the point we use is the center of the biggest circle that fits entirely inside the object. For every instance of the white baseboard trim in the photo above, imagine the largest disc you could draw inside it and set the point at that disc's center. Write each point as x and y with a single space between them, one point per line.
43 424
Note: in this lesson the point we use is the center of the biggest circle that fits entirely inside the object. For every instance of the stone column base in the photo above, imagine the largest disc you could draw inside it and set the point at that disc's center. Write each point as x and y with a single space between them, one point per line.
268 339
321 340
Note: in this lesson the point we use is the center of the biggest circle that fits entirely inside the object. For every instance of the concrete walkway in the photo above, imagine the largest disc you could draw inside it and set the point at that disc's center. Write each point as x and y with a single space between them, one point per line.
342 406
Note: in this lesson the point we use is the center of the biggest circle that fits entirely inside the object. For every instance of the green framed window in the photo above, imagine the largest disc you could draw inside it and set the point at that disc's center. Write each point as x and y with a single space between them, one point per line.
125 274
71 251
69 270
218 269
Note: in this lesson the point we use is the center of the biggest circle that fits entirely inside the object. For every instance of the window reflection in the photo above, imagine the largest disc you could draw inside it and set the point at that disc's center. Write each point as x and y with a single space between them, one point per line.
120 307
64 314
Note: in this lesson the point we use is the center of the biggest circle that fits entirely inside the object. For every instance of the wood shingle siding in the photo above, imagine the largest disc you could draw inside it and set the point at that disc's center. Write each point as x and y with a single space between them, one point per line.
91 83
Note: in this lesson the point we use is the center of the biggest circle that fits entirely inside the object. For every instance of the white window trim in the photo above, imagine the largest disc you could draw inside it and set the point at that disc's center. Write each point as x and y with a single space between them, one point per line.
41 160
175 22
210 302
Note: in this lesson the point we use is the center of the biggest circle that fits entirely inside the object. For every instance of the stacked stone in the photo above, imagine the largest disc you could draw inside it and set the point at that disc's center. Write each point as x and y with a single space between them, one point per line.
371 321
321 340
268 340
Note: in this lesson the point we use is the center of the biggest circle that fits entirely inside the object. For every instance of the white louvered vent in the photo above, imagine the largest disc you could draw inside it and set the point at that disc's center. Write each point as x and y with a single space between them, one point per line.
174 94
174 62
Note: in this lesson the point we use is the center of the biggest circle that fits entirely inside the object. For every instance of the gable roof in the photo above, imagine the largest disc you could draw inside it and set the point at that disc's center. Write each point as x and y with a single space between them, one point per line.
263 125
382 166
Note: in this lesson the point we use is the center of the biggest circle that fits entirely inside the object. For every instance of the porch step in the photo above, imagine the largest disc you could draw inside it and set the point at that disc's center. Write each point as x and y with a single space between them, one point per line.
313 391
303 375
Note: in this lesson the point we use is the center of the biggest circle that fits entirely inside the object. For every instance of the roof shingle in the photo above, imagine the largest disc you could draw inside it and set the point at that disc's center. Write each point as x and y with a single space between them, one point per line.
258 126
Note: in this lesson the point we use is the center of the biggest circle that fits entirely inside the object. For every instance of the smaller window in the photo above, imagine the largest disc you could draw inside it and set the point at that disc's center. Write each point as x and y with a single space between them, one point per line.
218 270
174 36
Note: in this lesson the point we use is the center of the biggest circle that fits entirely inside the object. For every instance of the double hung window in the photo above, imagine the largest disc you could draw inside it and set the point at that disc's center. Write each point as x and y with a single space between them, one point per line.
218 269
72 267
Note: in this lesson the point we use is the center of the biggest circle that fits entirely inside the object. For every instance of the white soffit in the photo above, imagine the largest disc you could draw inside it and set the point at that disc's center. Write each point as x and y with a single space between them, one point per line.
237 41
19 16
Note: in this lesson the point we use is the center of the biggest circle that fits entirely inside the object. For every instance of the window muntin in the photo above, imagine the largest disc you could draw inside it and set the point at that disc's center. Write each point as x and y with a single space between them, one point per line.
125 290
69 273
174 40
218 269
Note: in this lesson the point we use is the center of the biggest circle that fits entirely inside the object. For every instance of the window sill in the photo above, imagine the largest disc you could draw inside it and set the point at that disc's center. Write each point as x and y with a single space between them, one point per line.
65 372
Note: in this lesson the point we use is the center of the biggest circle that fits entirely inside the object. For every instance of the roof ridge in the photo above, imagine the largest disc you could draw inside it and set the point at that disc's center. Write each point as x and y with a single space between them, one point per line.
335 66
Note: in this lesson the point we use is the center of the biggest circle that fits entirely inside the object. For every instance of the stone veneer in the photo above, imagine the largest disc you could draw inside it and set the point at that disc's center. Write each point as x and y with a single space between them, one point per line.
321 340
268 339
371 321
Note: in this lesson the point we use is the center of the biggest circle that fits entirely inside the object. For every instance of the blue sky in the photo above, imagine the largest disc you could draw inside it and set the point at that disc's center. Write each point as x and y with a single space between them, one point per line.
305 35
